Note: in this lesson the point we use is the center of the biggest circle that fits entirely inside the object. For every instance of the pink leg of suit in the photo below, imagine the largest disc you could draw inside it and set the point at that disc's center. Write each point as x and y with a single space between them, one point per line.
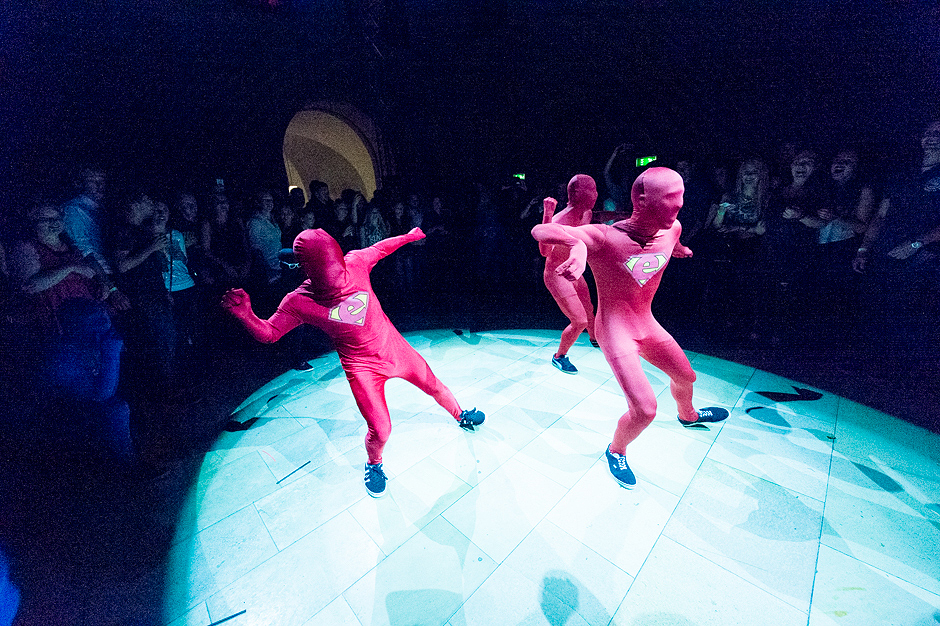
337 297
628 259
667 356
574 300
368 389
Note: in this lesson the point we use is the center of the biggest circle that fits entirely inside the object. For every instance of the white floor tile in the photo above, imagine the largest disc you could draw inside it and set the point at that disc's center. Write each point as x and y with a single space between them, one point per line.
791 457
677 586
824 409
583 579
851 593
425 581
563 452
298 582
621 524
753 528
501 510
476 455
235 485
723 527
412 499
666 458
868 435
215 557
875 519
298 507
197 616
508 597
336 613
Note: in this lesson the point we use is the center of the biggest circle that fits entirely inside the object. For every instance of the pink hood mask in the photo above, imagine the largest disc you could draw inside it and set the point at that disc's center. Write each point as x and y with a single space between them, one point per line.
322 261
657 198
582 192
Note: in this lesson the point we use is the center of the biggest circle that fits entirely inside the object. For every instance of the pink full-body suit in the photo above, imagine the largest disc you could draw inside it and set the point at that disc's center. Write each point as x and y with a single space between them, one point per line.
337 297
627 260
573 297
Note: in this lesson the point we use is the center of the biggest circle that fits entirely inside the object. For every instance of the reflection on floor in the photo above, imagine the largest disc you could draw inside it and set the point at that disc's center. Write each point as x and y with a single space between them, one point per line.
798 510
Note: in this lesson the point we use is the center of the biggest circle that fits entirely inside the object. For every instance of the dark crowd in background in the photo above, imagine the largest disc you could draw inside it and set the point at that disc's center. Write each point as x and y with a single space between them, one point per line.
110 291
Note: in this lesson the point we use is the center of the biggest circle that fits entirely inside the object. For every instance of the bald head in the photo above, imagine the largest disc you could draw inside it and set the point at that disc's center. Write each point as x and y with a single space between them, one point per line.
657 198
322 261
582 192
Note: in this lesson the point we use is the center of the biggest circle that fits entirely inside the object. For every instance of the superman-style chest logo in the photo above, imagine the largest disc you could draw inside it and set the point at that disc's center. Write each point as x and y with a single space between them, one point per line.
352 310
644 266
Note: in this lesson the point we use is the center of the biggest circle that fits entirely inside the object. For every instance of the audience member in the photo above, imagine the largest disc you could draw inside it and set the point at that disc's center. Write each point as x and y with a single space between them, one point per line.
901 253
84 216
320 202
224 246
734 229
288 220
184 297
148 328
264 239
788 246
49 268
847 207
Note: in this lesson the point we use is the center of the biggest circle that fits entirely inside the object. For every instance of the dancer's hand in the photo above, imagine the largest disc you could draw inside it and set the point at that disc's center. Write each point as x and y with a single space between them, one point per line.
572 269
237 302
417 231
681 252
548 207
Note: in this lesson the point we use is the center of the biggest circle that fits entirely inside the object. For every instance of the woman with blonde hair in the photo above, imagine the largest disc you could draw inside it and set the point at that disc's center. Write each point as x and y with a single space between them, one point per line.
733 230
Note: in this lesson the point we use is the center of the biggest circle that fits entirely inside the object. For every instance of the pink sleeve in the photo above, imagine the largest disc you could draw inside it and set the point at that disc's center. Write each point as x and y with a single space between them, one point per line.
284 320
375 253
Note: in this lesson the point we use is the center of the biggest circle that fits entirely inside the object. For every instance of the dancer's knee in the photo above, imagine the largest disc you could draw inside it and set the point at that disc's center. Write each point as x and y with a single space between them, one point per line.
378 434
643 411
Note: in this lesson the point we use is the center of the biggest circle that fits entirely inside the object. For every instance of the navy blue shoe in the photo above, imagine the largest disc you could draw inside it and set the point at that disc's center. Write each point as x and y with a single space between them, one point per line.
471 418
562 363
620 470
375 480
709 415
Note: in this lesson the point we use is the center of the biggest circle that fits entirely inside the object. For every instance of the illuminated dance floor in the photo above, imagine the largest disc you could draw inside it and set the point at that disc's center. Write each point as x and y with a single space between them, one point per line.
802 508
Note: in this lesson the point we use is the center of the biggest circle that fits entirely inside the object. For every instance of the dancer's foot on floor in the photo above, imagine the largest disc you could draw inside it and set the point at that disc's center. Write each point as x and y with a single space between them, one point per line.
562 363
375 480
708 415
620 470
470 418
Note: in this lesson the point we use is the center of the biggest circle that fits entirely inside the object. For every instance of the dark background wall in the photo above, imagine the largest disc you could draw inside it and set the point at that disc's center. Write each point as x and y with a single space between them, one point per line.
173 90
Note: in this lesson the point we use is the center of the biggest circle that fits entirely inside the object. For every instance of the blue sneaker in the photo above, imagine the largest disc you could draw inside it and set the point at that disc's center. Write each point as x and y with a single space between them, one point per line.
375 480
620 470
709 415
562 363
471 418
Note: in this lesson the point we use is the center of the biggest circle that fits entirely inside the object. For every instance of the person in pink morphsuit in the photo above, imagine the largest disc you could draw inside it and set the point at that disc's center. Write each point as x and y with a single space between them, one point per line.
573 297
337 297
627 259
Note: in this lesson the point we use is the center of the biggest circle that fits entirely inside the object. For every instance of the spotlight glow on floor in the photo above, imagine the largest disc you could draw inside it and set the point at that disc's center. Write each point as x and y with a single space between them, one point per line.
802 508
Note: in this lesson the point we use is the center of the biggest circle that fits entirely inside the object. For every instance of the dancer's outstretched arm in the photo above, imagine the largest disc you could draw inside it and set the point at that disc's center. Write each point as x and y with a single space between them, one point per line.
374 253
578 239
237 302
